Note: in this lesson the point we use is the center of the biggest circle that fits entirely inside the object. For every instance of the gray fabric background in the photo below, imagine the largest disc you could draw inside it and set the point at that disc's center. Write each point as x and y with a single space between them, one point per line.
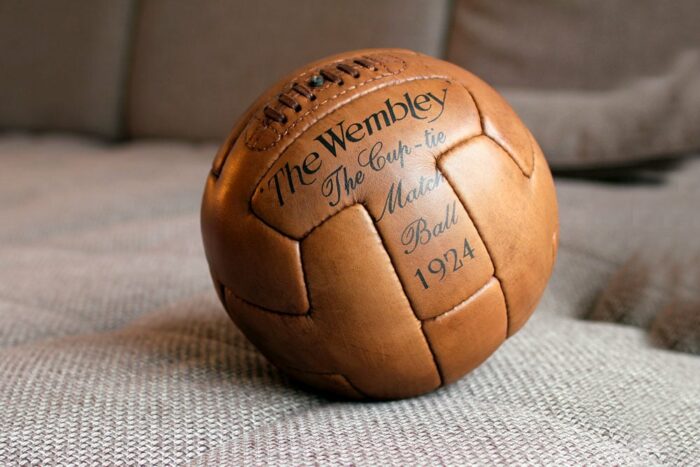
115 350
180 69
195 70
64 64
599 82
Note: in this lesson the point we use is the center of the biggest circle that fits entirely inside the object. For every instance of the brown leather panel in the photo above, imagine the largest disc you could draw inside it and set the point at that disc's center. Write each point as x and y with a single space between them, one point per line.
464 337
364 318
259 264
516 217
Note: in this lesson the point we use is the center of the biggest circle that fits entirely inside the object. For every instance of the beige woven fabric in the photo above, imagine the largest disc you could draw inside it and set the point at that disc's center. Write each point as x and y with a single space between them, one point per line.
114 349
599 82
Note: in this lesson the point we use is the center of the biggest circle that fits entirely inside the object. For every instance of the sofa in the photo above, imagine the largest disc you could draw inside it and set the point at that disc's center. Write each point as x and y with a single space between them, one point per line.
114 348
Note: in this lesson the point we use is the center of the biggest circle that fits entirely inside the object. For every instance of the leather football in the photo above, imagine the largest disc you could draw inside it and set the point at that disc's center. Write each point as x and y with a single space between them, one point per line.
378 222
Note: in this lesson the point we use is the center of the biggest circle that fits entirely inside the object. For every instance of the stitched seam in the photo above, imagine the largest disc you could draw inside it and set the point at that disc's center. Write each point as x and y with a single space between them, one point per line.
326 219
306 314
225 303
329 373
510 156
309 311
488 250
319 104
217 174
275 229
408 298
476 292
532 150
466 209
227 153
306 282
483 129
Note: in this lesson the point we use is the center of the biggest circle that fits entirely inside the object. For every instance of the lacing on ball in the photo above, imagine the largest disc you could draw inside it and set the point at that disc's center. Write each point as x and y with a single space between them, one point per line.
366 63
288 100
304 91
348 69
330 76
274 114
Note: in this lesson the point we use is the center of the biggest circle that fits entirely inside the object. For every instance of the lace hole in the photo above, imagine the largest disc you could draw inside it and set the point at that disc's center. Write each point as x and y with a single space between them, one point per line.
316 81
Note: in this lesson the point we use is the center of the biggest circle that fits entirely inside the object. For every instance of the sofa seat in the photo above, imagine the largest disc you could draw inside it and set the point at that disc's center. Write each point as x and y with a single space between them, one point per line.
114 348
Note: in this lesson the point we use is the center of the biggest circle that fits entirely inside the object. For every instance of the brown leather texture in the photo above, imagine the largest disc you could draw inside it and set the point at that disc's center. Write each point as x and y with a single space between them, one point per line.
379 222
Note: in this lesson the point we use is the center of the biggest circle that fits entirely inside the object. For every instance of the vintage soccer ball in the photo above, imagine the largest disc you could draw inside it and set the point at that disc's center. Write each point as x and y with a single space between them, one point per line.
379 222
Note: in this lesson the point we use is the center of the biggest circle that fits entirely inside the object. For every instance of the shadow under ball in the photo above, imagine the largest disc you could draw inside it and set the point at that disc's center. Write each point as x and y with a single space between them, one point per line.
379 222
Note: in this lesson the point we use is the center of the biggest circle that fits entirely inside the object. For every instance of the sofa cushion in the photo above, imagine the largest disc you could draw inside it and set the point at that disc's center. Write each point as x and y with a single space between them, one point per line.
63 64
603 82
114 348
196 69
630 251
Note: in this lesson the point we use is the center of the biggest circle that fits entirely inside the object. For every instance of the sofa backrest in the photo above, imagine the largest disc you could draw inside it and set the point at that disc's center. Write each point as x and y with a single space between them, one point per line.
180 69
599 82
63 64
196 69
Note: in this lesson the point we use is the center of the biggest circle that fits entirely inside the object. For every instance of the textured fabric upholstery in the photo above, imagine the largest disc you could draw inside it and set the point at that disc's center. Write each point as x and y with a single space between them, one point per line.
64 64
603 82
631 251
114 348
196 69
